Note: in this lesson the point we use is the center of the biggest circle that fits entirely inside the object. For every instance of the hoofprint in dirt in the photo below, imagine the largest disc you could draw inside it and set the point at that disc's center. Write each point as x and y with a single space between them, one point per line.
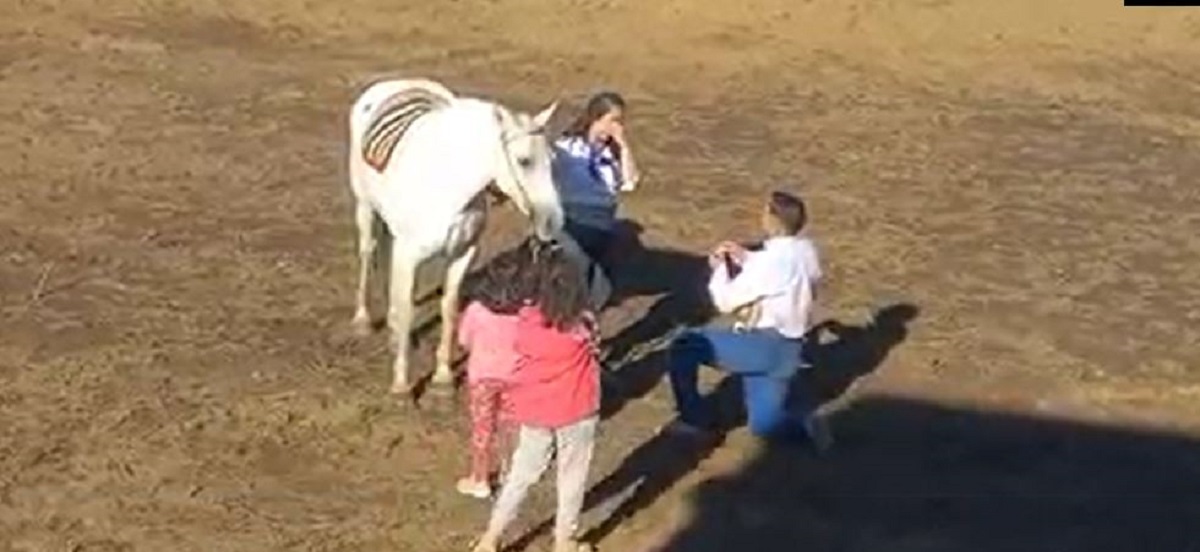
176 265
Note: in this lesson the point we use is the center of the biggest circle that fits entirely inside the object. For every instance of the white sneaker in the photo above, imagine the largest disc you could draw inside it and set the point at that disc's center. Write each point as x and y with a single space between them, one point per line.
474 489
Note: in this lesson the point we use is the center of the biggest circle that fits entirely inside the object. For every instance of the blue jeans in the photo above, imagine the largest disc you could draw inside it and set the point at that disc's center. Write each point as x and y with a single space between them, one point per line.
764 360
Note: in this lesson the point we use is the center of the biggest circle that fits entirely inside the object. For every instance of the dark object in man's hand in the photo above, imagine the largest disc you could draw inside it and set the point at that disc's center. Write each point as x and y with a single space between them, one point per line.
731 266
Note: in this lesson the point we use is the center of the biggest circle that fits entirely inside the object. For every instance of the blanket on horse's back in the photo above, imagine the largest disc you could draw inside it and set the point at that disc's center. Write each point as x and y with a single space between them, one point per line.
391 119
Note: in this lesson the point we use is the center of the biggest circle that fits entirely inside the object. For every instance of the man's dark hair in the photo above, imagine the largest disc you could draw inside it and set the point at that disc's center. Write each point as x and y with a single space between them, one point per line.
789 210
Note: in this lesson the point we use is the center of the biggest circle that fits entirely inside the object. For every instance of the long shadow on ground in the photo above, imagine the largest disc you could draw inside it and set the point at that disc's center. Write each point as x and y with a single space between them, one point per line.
913 476
853 352
679 279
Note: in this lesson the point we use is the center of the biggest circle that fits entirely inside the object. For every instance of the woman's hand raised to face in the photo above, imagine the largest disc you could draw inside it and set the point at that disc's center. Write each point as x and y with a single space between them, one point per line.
616 131
629 173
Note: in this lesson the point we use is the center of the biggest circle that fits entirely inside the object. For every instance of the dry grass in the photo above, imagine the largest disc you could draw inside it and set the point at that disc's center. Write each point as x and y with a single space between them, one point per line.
176 252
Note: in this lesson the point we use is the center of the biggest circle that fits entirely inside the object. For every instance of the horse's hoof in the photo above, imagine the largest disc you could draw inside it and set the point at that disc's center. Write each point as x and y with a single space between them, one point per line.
442 378
403 389
406 400
441 390
362 327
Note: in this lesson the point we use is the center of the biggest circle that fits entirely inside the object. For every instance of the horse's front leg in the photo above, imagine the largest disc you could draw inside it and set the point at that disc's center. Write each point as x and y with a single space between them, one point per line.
456 272
400 314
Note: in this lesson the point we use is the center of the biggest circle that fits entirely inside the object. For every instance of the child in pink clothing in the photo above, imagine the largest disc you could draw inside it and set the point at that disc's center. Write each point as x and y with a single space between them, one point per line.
487 331
555 397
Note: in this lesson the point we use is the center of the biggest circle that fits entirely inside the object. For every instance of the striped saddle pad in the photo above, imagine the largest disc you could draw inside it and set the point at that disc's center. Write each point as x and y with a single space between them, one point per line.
392 119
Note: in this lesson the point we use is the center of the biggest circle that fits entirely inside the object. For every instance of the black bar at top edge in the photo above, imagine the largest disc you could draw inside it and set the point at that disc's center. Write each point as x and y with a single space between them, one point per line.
1160 4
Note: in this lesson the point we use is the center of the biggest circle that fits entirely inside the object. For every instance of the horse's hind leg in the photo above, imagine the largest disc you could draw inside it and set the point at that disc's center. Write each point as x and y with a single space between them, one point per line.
400 315
456 271
368 244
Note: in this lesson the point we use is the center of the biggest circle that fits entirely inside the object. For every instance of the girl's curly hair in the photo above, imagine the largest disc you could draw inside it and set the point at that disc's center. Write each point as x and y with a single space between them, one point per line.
505 284
558 287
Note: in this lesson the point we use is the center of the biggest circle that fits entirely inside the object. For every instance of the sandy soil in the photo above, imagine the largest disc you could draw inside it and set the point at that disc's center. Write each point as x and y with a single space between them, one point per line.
1009 182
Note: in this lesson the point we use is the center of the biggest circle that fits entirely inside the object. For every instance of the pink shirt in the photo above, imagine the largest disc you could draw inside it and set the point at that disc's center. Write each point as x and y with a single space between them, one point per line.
490 341
557 382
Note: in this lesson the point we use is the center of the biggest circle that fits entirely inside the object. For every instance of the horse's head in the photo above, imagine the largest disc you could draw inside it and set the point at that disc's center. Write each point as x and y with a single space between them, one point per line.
524 173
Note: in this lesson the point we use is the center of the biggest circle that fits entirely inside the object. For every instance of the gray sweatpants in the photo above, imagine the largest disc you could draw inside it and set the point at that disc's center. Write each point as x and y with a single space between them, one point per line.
535 446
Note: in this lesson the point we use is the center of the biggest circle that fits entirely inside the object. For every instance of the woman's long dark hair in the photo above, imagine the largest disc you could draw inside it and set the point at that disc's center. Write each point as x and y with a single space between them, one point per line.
558 287
599 105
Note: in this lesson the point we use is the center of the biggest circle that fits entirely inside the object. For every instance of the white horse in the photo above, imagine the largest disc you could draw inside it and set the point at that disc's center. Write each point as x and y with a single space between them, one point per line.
421 159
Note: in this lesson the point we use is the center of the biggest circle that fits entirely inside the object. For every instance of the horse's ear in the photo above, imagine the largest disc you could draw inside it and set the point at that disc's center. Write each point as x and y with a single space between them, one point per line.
505 120
502 117
543 118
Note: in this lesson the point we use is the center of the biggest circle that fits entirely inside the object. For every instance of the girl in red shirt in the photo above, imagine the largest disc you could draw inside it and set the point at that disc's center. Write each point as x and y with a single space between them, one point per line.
555 398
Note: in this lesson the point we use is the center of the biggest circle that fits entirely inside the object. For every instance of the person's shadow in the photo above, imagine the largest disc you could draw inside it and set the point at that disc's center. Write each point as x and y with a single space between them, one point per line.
633 356
664 459
855 351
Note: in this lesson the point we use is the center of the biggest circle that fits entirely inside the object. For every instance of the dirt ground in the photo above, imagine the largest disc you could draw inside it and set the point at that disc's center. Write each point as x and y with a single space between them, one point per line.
1009 184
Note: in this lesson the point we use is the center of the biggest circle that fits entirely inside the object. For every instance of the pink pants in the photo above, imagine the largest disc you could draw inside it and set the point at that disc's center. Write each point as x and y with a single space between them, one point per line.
491 426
